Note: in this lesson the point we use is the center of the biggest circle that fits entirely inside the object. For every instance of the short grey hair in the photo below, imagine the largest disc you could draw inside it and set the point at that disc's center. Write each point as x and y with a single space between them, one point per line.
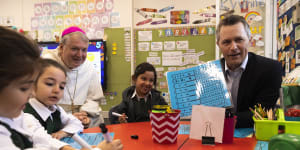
82 36
232 20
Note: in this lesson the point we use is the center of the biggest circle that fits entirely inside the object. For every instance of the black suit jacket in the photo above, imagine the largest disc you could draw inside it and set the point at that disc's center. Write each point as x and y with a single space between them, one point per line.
259 84
127 106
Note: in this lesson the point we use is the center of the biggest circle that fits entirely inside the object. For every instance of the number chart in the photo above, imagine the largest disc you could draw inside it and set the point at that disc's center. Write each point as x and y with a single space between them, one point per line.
200 85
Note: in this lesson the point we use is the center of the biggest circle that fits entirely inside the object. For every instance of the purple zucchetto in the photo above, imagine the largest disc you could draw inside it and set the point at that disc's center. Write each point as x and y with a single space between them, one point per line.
71 30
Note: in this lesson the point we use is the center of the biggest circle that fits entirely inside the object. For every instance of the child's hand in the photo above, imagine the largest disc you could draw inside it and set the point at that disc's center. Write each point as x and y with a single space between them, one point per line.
60 134
122 119
114 145
86 122
83 117
80 115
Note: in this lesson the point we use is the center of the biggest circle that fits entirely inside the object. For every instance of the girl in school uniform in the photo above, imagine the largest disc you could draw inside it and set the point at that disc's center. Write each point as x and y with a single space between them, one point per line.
48 90
139 99
19 67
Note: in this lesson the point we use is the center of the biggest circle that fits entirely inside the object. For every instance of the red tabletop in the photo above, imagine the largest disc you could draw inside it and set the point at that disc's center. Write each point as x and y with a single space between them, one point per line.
143 130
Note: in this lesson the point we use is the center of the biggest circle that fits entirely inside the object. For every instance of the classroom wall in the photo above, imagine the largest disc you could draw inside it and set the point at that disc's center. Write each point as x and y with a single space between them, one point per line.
190 5
22 10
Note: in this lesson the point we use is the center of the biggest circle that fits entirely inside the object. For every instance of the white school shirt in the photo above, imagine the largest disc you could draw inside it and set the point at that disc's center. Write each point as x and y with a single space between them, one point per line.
30 127
70 123
88 87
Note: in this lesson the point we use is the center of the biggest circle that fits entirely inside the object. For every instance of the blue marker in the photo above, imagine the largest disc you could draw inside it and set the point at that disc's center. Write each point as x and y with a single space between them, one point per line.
166 9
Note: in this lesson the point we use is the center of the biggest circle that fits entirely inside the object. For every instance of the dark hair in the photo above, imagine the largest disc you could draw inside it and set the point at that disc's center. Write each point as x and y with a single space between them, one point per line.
18 56
45 63
232 20
142 68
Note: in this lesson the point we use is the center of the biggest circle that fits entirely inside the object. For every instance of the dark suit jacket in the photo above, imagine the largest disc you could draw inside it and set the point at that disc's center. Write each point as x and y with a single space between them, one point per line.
259 84
127 106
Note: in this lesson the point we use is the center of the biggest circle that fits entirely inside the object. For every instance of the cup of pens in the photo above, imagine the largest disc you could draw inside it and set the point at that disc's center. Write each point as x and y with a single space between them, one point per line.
165 125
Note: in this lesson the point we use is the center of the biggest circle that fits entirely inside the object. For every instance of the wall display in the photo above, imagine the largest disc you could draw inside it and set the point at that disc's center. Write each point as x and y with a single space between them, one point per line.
91 15
173 13
288 41
254 13
170 52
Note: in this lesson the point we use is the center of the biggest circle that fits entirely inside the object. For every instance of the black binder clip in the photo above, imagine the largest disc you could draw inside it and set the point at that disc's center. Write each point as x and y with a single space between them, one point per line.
208 140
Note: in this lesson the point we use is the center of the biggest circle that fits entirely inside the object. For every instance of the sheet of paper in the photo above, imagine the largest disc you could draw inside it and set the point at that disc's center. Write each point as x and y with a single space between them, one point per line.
156 46
169 45
199 85
172 58
297 33
297 56
182 45
143 46
90 138
153 54
145 35
207 121
153 60
190 58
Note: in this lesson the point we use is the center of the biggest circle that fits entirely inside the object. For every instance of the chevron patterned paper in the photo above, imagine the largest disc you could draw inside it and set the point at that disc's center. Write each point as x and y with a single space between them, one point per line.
165 127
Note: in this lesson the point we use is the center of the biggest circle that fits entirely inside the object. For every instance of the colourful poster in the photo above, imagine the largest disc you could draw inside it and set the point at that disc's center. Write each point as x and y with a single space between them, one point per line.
100 6
46 9
82 7
179 17
91 6
38 9
73 7
254 13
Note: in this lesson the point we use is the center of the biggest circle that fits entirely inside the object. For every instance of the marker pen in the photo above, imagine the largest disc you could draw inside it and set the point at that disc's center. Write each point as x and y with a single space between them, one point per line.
144 22
149 9
166 9
141 13
105 132
117 114
81 142
159 22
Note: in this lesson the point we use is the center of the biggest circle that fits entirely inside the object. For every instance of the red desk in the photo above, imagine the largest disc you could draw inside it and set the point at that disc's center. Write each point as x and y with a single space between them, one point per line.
143 130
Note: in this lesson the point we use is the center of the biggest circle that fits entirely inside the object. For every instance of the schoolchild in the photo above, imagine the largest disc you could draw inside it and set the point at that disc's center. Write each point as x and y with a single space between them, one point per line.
48 90
139 98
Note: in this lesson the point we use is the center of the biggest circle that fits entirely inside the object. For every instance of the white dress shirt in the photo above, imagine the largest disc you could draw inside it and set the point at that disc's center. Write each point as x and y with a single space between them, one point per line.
30 127
70 123
233 80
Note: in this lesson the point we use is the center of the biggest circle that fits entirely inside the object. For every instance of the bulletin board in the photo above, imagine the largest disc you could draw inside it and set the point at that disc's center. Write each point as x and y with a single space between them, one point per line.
117 67
201 45
288 35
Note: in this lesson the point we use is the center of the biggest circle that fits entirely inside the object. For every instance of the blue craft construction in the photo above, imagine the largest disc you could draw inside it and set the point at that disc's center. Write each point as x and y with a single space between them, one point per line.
261 145
243 132
184 129
90 138
200 85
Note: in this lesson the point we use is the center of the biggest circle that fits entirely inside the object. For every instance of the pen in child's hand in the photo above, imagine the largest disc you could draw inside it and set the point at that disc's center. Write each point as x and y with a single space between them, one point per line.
118 115
81 142
105 133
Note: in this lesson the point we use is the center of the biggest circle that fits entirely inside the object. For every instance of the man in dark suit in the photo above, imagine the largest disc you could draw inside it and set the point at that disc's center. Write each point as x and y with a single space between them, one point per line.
250 78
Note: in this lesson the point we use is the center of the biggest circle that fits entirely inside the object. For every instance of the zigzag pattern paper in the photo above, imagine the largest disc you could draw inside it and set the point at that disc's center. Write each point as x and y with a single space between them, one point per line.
165 127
